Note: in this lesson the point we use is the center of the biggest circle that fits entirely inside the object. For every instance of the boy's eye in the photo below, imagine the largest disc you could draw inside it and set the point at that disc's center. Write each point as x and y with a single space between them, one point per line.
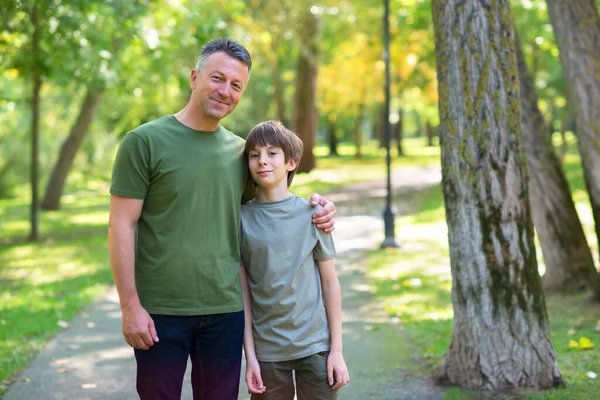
253 155
272 153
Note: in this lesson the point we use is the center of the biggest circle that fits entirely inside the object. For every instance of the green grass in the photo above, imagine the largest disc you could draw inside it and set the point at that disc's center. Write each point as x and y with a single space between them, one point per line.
50 281
413 285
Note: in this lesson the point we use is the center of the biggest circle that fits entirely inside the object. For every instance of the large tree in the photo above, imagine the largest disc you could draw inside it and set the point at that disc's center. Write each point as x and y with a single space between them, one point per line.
568 259
501 338
576 26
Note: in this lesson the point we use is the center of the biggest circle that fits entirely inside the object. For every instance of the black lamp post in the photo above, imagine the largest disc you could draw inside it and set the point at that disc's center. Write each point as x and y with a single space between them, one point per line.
389 213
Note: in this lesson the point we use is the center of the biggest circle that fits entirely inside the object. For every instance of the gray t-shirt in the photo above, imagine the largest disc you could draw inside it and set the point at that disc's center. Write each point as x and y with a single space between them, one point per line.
279 247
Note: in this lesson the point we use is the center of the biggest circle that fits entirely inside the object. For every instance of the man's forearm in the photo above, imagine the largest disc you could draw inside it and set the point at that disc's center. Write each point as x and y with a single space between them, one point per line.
121 248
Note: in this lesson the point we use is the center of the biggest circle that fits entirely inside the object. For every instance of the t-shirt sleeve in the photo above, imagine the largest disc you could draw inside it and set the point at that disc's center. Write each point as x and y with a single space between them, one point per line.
131 170
324 249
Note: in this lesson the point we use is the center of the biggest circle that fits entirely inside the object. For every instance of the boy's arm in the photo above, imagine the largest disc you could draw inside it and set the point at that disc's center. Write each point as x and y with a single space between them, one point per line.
253 376
324 219
332 296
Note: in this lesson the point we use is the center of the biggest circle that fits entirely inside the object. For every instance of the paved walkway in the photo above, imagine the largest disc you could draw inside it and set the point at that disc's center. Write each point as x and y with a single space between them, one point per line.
90 360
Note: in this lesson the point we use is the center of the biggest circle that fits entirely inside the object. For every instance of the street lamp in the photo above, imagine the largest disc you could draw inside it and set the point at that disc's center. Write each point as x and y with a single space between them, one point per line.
389 213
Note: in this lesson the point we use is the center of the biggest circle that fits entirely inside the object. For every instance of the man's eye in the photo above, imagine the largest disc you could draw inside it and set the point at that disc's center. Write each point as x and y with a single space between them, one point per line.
216 78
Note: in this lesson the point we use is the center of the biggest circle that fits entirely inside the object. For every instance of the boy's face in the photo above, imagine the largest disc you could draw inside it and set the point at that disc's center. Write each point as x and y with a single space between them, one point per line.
268 167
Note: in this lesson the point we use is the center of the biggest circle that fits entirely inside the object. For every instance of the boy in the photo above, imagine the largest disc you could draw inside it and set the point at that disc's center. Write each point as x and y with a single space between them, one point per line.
292 297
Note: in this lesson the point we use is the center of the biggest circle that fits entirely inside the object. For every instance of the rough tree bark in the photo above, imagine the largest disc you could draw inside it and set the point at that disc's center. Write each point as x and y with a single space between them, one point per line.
576 26
568 259
305 110
69 149
501 339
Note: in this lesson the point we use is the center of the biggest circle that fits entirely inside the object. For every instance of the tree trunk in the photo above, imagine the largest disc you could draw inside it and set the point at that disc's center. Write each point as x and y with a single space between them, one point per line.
429 130
568 259
69 149
332 141
358 130
277 85
576 26
563 131
306 117
501 339
398 132
35 123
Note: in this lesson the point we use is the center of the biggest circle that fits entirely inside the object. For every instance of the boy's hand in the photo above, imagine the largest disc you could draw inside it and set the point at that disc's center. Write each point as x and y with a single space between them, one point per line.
253 378
325 218
336 367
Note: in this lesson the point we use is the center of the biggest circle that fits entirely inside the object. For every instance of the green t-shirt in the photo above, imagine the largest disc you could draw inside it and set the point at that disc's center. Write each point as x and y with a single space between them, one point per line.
280 246
187 253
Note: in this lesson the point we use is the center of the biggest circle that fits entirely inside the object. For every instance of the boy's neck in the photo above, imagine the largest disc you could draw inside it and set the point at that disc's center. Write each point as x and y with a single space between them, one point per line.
271 195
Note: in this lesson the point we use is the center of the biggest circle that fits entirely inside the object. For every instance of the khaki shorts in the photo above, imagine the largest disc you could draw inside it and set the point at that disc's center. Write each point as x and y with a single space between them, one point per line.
311 379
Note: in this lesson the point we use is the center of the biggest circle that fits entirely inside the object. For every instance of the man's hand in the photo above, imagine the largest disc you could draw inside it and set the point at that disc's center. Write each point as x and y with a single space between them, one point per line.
324 219
336 367
253 377
138 328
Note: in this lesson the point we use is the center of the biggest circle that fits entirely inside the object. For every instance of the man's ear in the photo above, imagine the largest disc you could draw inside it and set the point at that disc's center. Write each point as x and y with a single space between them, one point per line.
292 164
193 76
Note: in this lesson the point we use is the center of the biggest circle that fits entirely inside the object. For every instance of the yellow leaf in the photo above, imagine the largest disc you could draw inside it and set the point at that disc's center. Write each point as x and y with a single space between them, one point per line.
585 343
573 344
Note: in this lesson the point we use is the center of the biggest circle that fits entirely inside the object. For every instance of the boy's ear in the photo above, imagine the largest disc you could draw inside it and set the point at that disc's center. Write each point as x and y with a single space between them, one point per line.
292 164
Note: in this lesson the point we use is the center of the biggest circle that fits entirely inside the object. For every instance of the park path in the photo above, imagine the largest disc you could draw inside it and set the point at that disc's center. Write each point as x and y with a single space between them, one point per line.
91 361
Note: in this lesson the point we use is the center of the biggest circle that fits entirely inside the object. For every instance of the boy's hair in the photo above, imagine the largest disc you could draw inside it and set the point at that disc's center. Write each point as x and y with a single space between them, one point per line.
273 133
228 46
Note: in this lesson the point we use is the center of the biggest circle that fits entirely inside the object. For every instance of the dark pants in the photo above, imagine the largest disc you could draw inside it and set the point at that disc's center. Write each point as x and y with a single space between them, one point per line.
214 344
311 379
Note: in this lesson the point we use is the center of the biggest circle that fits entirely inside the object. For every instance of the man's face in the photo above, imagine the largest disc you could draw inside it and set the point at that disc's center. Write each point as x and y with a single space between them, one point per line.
217 89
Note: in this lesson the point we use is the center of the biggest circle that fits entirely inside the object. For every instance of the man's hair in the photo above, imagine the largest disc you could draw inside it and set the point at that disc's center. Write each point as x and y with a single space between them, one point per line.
273 133
228 46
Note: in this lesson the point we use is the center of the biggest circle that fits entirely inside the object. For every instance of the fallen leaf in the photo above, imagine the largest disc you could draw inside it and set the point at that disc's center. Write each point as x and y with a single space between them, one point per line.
585 343
571 332
62 370
591 375
63 324
573 344
25 380
90 324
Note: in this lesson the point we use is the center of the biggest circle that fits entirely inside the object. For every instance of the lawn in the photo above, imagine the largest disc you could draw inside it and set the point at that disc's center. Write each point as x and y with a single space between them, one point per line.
44 285
413 285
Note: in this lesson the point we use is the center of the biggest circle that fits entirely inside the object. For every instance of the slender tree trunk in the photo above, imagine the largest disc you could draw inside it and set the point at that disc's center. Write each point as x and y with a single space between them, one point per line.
398 132
332 138
306 117
568 259
429 130
358 130
35 123
576 26
501 338
277 85
69 149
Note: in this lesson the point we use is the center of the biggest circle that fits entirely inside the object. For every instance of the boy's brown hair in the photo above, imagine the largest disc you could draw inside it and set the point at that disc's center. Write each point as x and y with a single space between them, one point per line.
274 133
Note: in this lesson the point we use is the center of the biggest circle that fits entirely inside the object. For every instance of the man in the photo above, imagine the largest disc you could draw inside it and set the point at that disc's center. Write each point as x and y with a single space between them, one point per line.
179 181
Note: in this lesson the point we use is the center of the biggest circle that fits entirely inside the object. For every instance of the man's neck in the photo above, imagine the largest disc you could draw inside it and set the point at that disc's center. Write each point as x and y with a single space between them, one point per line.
194 119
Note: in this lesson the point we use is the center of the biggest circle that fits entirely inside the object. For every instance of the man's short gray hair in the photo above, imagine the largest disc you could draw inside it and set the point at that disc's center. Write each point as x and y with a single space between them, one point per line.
228 46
